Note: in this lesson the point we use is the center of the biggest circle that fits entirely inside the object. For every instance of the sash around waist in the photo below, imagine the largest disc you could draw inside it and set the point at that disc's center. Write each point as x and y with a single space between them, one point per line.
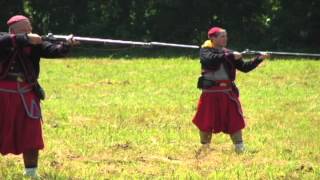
30 103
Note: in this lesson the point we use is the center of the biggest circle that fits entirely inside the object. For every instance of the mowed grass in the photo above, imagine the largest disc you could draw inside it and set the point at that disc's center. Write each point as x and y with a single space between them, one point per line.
119 118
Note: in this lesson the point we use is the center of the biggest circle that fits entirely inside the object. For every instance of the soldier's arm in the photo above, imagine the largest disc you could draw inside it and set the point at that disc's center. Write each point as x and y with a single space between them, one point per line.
13 40
52 50
209 58
247 66
8 41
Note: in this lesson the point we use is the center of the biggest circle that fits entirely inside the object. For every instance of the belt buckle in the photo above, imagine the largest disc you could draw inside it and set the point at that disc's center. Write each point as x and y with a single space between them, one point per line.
223 84
20 79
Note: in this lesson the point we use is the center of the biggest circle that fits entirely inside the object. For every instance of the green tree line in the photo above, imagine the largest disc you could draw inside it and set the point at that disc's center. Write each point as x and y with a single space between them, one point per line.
275 24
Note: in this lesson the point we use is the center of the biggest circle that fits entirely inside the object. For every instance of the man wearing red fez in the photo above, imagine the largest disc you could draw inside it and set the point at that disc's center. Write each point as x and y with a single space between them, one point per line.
219 108
20 92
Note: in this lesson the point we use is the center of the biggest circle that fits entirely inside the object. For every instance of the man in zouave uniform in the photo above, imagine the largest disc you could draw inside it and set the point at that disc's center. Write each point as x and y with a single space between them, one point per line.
20 92
219 108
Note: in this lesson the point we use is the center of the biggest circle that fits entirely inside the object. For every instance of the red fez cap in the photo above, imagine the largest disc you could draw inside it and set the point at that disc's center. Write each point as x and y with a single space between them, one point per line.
214 31
15 19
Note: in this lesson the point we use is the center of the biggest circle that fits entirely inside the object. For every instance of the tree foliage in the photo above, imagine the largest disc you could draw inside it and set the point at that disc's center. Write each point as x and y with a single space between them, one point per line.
264 23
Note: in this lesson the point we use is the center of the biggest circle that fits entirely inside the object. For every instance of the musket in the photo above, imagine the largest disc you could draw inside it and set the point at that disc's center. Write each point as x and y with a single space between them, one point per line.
280 54
89 40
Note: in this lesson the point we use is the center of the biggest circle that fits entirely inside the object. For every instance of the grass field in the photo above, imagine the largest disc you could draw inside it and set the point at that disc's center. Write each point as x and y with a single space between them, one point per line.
110 118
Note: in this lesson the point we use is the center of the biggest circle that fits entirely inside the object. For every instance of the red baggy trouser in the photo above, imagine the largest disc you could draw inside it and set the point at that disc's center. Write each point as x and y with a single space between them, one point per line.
219 110
20 119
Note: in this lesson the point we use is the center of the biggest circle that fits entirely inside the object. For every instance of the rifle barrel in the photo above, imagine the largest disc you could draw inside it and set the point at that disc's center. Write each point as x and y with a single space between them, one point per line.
292 54
122 42
274 53
174 45
100 40
162 44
